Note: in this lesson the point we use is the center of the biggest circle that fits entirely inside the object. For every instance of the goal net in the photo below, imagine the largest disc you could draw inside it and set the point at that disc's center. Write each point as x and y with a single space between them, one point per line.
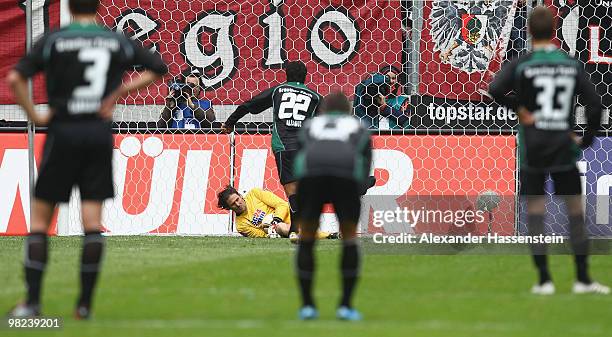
442 138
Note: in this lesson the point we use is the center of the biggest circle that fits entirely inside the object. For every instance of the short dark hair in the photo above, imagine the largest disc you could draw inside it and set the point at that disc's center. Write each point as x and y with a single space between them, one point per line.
224 195
296 71
336 101
84 6
191 72
541 23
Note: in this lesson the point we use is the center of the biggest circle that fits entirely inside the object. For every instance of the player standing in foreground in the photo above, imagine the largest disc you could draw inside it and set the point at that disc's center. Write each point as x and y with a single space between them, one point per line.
292 103
546 82
84 63
332 166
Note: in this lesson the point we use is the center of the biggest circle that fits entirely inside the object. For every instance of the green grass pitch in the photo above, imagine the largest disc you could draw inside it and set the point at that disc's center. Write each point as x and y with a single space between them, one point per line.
183 286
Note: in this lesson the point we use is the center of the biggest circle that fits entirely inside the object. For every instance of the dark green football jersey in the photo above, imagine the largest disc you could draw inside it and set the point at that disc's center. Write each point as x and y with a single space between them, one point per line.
292 104
546 83
334 145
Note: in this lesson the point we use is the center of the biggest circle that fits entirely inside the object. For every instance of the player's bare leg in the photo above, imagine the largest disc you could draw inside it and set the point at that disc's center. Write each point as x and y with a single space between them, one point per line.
580 245
282 229
305 268
93 248
536 207
36 252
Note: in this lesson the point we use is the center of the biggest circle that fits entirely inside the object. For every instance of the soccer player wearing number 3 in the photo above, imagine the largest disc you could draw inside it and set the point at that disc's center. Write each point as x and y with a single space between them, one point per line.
292 104
545 83
84 63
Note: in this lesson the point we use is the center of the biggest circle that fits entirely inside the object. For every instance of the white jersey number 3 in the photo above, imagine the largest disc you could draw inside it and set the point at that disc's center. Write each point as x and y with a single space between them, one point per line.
95 73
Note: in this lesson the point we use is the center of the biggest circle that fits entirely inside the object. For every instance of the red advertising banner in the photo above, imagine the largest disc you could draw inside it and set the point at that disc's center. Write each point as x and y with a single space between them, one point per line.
45 16
154 174
447 172
15 182
241 45
167 184
447 165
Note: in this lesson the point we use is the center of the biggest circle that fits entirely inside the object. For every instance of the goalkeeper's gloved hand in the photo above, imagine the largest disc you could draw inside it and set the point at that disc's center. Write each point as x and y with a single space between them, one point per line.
272 232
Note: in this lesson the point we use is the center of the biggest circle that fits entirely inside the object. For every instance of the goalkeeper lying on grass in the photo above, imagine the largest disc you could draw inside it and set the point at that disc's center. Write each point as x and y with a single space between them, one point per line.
260 213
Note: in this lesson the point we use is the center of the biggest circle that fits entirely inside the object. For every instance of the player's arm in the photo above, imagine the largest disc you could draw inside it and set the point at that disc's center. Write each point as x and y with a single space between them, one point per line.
592 102
503 84
317 109
155 69
17 80
281 207
255 105
250 231
19 85
390 111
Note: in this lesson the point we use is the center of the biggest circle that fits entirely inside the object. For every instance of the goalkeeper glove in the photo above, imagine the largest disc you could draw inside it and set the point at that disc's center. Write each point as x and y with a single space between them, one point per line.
272 232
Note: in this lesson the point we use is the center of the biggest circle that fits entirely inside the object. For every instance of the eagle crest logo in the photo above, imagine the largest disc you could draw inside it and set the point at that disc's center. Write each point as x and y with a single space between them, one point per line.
469 34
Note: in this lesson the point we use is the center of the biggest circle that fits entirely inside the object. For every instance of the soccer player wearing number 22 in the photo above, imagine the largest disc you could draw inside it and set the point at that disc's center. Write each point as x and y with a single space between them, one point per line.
84 64
545 83
292 104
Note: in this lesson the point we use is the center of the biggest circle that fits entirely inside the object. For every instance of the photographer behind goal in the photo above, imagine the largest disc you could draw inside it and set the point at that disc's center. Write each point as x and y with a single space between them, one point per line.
184 109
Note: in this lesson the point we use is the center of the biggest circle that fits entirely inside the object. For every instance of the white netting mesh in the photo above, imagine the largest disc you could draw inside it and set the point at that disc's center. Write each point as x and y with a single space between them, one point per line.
443 53
240 47
447 137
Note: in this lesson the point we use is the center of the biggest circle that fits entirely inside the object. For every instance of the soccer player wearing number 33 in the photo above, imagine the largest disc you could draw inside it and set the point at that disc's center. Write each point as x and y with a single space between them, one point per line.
545 83
292 104
84 63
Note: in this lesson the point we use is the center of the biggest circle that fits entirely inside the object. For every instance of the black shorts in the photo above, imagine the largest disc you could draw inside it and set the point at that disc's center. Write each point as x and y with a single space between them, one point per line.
76 155
565 182
314 192
284 166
